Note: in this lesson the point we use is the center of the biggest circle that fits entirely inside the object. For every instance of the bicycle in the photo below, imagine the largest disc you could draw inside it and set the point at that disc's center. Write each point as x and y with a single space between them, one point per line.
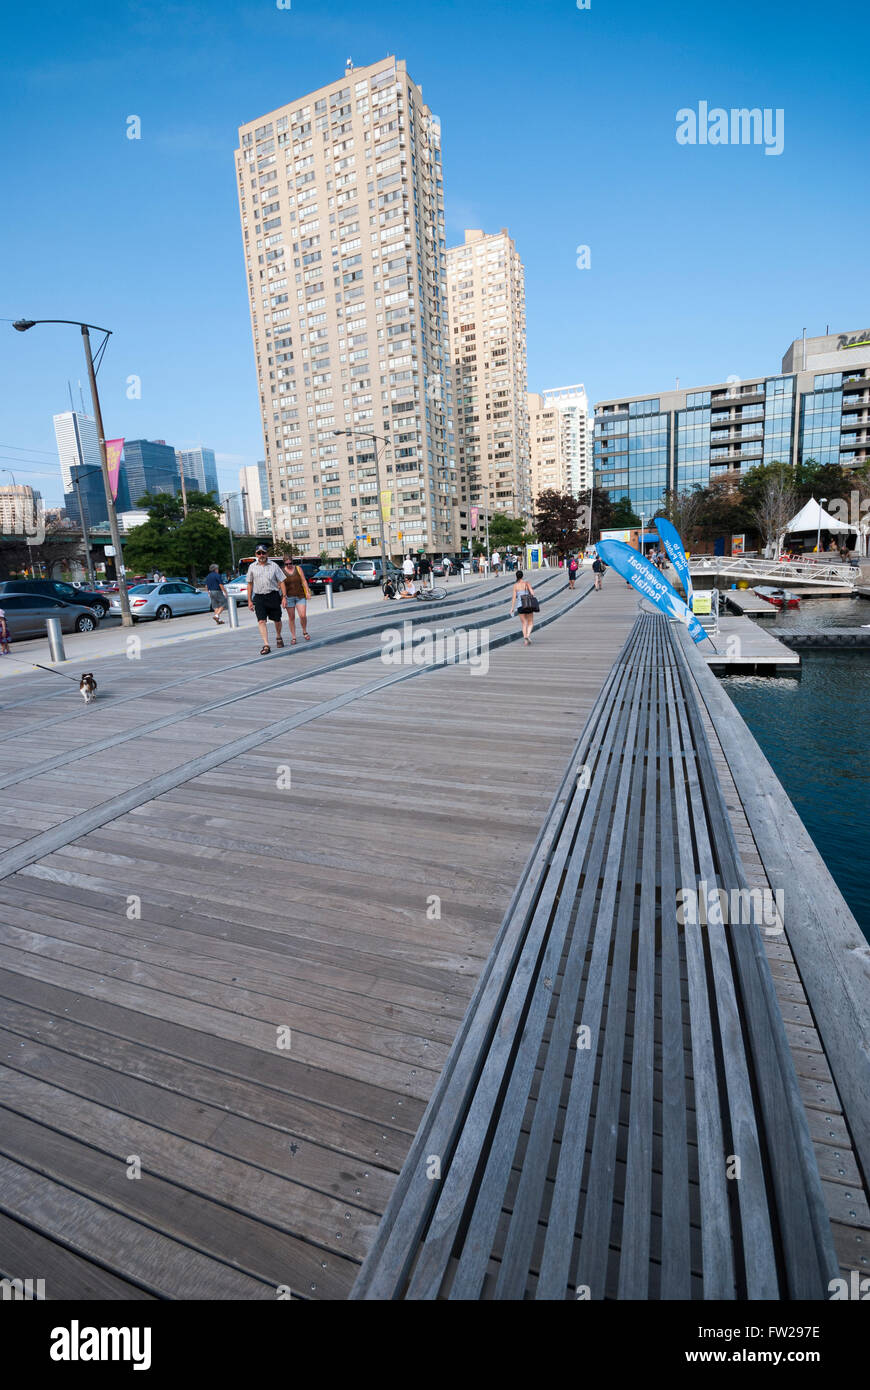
423 594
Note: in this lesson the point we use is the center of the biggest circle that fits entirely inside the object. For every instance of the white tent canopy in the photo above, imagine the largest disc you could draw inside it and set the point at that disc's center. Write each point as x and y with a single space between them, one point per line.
812 517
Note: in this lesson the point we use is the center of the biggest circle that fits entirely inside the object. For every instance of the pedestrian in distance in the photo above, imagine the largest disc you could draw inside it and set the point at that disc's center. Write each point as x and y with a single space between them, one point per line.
217 593
409 569
524 602
266 588
572 571
296 596
446 566
4 635
496 562
598 568
425 567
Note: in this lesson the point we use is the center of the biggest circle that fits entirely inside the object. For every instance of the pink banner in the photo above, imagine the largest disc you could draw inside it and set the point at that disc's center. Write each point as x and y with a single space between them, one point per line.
114 449
475 512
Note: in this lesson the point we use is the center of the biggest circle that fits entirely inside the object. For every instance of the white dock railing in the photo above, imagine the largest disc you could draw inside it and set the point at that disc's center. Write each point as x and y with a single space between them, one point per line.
806 572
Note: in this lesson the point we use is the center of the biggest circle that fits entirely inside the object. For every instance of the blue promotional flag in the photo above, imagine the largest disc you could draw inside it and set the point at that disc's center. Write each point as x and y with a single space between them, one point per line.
646 579
676 553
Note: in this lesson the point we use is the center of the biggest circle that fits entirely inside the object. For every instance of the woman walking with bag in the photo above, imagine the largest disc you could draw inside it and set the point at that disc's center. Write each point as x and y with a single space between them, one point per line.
296 596
523 601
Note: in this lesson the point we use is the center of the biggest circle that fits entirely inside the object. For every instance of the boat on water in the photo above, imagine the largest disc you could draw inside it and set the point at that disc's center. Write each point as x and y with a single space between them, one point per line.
780 598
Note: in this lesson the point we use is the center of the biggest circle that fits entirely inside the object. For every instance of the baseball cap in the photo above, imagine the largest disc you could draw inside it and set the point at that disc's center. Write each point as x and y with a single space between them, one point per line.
261 550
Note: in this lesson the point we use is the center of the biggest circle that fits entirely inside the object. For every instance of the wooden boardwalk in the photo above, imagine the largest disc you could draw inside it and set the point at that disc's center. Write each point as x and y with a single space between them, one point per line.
225 855
167 909
599 1167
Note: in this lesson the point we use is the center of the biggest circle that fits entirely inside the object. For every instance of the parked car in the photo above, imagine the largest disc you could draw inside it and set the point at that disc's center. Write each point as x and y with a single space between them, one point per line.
26 614
369 571
341 579
170 600
57 588
438 566
238 588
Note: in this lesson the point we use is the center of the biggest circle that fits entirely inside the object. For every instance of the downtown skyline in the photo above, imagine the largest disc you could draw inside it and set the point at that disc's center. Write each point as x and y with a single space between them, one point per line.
693 267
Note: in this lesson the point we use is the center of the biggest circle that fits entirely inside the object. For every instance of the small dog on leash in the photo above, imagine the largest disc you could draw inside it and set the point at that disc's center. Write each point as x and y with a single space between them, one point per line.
88 687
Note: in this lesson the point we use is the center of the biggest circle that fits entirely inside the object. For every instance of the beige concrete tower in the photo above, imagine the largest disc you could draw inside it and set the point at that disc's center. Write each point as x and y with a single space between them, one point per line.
487 299
549 467
342 209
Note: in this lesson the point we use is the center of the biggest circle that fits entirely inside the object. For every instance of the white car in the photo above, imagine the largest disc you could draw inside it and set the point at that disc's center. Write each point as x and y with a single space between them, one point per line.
238 588
173 599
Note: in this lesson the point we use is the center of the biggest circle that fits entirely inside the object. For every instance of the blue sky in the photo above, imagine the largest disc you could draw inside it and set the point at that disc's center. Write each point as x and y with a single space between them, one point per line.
557 123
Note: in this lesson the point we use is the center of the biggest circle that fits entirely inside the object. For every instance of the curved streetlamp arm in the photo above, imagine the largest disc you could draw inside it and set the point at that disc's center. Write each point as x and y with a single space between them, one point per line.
23 324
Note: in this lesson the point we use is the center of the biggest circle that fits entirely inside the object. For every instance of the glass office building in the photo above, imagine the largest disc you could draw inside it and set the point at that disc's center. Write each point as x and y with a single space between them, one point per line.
632 451
817 407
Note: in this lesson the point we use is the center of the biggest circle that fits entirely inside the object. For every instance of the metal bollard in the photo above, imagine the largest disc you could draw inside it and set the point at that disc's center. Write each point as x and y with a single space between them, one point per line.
233 610
55 639
330 597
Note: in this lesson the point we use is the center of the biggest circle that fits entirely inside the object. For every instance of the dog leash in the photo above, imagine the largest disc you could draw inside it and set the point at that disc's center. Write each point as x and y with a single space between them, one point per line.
54 673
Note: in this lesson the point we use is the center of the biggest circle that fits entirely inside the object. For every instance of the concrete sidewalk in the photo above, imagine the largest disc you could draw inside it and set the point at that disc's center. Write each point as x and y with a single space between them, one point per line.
84 650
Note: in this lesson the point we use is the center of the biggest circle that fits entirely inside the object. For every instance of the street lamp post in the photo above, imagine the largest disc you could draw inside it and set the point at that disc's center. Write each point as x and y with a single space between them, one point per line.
227 497
376 439
22 325
822 501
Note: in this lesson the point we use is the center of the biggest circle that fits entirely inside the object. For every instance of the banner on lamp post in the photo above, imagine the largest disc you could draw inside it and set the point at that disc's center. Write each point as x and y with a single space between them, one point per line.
114 449
676 553
645 578
475 513
386 505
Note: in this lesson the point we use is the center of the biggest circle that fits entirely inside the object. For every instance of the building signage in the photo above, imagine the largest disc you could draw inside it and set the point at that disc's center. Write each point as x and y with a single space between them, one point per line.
861 339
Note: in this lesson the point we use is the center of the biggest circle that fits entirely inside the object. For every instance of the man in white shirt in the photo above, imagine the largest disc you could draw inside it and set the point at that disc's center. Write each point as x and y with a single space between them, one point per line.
408 567
496 562
267 584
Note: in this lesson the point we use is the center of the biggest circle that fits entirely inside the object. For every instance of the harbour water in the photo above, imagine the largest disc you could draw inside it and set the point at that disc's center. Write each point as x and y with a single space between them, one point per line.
815 732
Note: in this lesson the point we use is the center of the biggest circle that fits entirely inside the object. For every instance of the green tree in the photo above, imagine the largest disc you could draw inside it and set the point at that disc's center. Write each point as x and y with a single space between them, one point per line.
350 553
556 520
200 541
505 530
173 543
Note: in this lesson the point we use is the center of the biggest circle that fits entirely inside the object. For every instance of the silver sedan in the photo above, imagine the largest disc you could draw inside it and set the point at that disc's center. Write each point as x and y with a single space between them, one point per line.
172 599
238 588
26 615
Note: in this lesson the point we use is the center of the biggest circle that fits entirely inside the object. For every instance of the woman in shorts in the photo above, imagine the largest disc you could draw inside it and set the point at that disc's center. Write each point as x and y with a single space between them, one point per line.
296 596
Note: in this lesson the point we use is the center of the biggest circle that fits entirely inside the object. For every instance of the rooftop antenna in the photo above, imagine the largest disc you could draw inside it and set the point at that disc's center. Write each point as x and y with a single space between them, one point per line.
71 406
678 384
82 398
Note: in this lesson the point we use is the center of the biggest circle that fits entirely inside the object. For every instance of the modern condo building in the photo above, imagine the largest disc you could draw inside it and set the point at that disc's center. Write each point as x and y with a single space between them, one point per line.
486 286
342 210
816 407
